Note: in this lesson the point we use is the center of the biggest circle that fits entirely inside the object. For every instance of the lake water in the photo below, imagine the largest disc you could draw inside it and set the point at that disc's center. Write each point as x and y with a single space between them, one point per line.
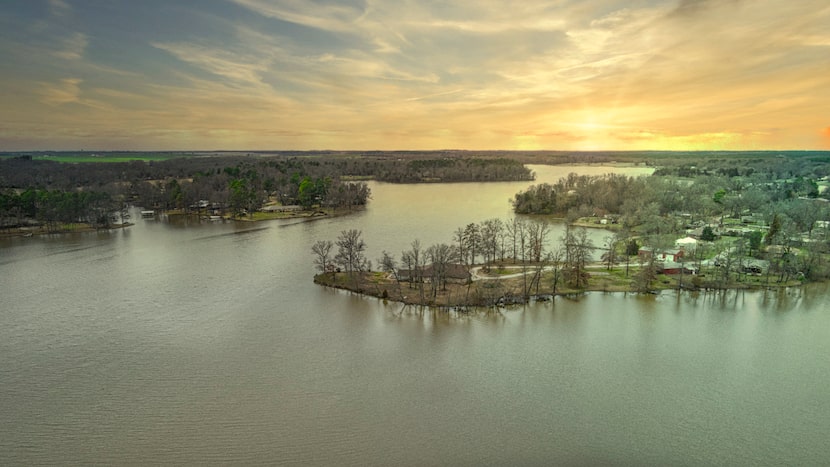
209 344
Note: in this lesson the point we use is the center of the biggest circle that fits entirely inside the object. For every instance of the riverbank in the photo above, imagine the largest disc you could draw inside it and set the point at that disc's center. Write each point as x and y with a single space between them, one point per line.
504 286
38 230
311 214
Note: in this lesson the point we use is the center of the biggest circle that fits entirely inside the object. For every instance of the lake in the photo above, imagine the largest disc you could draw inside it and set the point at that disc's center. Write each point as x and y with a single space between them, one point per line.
174 343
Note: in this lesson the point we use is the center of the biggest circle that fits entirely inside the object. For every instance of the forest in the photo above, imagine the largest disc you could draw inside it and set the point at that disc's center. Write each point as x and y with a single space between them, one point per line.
37 189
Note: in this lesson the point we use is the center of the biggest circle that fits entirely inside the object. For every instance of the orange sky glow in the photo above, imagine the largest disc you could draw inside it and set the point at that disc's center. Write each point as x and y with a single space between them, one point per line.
362 75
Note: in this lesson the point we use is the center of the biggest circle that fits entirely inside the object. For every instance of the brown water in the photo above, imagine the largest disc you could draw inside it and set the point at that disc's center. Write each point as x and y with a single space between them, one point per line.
209 344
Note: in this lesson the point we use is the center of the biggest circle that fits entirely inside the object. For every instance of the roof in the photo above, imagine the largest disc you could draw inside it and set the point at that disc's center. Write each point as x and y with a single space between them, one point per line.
686 241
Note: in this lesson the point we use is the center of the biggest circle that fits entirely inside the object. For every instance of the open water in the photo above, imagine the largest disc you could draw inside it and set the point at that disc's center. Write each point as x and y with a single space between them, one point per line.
208 343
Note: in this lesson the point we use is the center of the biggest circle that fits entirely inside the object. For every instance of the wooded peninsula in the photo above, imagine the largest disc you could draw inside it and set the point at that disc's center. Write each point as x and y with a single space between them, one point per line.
696 223
55 192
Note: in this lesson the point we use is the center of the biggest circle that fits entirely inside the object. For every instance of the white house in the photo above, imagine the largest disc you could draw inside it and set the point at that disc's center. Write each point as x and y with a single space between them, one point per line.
688 243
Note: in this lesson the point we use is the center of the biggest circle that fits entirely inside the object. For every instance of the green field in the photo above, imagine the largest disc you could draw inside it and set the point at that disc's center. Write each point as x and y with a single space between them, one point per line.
78 157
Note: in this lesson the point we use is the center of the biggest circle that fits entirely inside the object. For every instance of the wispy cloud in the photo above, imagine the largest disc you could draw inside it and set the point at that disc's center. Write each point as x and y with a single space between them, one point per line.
59 7
72 47
585 74
319 15
65 91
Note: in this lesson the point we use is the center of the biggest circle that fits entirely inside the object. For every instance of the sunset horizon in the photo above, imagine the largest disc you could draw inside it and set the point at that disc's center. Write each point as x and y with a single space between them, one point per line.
257 75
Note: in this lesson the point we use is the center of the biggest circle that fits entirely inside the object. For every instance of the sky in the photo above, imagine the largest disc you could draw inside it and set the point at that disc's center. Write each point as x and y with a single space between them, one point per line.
418 75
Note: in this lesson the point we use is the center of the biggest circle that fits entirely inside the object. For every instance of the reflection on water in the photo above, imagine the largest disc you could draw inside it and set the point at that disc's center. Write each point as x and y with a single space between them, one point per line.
207 343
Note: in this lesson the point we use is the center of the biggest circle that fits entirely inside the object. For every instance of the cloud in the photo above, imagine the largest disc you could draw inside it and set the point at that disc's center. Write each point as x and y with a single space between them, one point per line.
319 15
59 7
227 64
66 91
563 74
73 47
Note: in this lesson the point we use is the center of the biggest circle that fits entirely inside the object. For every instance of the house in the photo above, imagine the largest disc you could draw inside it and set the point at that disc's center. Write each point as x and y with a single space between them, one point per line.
673 254
686 244
671 268
453 273
278 208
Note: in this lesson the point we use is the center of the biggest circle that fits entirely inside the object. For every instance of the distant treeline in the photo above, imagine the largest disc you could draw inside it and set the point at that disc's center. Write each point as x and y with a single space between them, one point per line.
24 171
240 184
55 207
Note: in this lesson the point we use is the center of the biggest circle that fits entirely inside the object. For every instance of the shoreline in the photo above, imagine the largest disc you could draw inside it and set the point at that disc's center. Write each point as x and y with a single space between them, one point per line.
39 231
496 291
304 216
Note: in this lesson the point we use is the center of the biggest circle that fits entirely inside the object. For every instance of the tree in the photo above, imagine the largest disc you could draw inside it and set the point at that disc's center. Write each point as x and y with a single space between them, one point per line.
610 257
774 229
707 234
307 193
513 232
630 248
537 234
490 231
242 196
647 273
441 256
322 250
458 238
472 241
413 260
755 237
387 263
577 251
350 251
718 196
554 259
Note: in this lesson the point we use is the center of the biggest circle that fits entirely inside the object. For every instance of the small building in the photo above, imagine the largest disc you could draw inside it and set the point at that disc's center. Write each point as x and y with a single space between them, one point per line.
280 208
453 273
672 267
686 243
673 254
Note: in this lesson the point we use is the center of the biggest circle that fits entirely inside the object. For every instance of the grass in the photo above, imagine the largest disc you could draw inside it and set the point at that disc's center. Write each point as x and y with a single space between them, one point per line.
485 292
85 157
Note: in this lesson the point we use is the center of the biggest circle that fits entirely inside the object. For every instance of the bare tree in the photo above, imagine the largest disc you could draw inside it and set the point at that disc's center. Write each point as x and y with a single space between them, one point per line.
322 251
554 259
441 256
413 260
350 251
537 235
611 256
512 233
577 251
472 241
459 238
388 264
490 231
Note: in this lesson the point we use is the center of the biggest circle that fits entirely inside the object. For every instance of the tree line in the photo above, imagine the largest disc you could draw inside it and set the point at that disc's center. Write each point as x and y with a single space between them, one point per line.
53 208
236 184
661 204
427 270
